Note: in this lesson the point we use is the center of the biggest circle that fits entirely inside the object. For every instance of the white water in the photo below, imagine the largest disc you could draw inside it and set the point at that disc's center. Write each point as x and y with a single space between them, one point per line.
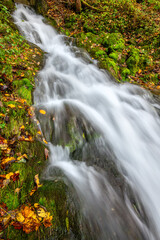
122 118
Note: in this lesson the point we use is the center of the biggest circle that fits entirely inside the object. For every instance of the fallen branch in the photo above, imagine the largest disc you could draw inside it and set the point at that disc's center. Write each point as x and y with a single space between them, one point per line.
90 7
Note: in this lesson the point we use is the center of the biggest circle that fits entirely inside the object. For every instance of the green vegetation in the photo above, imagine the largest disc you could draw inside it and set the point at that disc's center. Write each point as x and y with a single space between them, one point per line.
22 157
123 35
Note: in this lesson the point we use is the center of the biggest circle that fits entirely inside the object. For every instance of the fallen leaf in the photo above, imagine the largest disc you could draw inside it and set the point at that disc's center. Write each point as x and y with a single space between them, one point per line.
45 141
17 190
9 175
42 111
19 217
11 106
16 225
33 191
36 180
41 212
6 161
47 220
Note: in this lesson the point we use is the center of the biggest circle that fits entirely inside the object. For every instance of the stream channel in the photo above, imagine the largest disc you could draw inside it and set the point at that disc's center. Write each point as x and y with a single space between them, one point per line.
103 138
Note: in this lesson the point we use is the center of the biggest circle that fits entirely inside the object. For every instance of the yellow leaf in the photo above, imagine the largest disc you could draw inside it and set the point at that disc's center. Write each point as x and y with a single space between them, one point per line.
11 105
22 127
39 132
41 212
7 160
9 175
42 111
36 179
19 217
47 220
45 141
36 205
33 191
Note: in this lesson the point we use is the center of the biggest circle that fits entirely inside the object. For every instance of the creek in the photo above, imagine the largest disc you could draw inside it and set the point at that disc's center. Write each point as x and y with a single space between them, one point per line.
103 138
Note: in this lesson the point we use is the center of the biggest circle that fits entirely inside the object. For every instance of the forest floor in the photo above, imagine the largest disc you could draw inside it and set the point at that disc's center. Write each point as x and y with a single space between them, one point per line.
124 36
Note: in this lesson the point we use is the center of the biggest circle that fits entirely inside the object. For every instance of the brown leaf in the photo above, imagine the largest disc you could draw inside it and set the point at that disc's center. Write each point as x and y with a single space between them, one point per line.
17 225
15 176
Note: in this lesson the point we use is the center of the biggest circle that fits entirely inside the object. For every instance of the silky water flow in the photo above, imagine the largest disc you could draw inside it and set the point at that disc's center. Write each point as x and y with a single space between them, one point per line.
114 124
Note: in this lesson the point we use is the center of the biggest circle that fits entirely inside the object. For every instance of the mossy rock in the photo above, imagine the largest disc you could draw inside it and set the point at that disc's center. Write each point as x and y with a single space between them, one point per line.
114 56
124 73
94 38
26 94
114 42
133 60
100 53
112 66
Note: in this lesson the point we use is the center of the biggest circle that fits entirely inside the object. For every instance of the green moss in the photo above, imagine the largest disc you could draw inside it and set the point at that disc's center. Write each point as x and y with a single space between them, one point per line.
124 73
112 66
133 60
100 53
114 42
114 56
26 94
9 4
11 199
24 82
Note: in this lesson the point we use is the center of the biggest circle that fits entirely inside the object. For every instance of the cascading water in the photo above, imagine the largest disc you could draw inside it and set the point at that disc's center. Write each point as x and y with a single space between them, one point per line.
117 120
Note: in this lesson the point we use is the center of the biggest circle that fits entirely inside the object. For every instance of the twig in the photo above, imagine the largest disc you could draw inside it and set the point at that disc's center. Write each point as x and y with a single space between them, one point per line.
90 7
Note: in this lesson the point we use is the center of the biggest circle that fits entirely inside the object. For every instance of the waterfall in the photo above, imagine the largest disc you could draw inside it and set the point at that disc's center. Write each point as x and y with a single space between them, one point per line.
123 128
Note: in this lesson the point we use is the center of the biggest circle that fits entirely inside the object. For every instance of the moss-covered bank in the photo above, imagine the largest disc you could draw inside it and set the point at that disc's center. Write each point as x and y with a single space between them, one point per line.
22 155
123 36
